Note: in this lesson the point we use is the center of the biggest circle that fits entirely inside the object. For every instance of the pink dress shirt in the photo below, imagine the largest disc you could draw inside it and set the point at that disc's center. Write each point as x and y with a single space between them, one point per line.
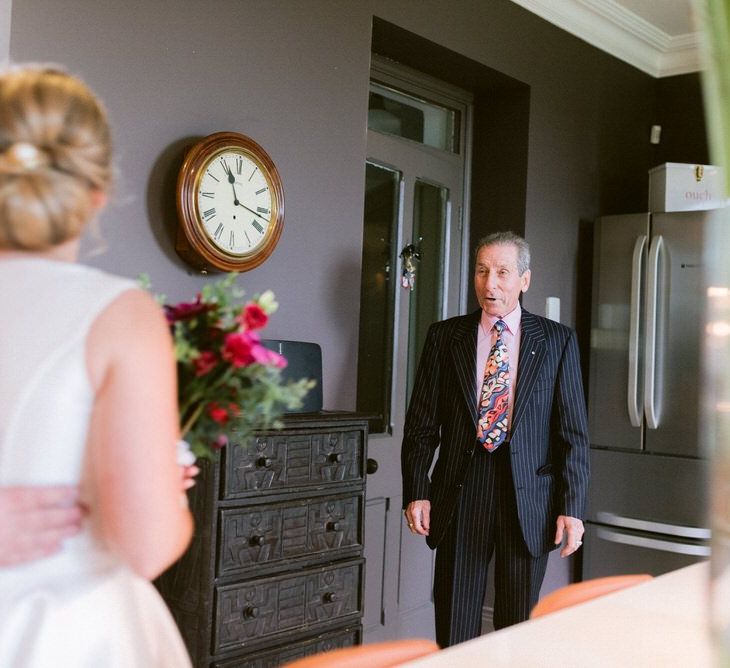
486 336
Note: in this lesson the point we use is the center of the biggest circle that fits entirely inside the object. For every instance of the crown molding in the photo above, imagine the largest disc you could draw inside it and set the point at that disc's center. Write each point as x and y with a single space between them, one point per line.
619 32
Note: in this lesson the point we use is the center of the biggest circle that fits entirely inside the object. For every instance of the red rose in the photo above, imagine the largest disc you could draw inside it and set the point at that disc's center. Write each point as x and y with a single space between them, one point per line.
238 348
217 413
204 363
254 317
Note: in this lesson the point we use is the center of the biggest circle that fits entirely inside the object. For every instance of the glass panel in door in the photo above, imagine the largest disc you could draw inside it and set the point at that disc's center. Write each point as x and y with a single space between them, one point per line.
377 295
430 236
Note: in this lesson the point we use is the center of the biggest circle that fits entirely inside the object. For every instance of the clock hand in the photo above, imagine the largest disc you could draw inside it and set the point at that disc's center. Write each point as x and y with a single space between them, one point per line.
232 181
255 213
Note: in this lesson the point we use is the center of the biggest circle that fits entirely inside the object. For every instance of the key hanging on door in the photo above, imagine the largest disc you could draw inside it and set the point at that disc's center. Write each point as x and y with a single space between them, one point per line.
410 255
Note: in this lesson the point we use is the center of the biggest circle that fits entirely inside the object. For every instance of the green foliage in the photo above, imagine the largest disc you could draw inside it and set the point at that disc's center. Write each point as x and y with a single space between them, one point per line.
229 385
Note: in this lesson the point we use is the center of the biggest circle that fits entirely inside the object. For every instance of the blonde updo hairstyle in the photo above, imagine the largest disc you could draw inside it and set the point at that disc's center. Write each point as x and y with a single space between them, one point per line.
55 151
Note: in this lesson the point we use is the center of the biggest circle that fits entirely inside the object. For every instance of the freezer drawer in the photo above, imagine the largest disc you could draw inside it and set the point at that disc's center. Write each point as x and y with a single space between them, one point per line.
657 488
611 550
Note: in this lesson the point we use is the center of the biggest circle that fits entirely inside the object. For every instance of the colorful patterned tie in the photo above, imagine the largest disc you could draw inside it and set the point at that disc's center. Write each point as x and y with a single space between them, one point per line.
494 401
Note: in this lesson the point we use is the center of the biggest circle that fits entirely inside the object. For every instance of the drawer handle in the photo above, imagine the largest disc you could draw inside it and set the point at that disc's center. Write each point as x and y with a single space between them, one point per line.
335 457
330 597
250 612
334 526
256 541
263 462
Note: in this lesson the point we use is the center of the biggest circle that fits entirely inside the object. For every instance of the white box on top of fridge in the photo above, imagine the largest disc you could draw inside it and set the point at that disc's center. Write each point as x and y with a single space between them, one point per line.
677 186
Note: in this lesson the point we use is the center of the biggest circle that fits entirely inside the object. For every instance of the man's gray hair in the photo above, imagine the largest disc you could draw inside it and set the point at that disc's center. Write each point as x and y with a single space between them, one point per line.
505 239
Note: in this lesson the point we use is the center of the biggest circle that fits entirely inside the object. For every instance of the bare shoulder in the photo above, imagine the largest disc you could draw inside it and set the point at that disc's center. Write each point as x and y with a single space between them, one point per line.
133 300
133 313
132 329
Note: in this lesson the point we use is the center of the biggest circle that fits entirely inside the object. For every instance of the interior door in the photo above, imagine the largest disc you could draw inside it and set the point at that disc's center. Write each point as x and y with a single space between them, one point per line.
413 197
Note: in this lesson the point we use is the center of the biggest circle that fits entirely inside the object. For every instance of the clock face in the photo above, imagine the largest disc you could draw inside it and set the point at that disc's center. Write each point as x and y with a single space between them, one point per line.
235 202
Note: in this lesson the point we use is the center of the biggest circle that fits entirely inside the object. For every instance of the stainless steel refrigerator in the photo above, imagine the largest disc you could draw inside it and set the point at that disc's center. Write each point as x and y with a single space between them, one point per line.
648 495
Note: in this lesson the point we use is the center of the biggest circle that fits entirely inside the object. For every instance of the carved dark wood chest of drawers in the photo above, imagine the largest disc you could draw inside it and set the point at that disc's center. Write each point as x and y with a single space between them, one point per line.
275 570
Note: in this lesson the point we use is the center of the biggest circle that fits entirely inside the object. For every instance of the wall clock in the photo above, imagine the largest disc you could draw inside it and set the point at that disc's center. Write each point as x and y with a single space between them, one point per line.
230 204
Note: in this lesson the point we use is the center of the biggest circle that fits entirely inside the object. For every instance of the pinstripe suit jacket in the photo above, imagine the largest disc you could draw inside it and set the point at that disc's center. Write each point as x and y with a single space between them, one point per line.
548 436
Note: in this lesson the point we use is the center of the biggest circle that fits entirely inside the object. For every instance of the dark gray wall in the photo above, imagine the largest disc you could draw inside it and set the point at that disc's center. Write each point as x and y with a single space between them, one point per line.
293 75
679 110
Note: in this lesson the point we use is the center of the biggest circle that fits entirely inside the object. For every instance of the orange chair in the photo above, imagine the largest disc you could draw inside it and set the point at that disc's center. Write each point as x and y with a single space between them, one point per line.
573 594
375 655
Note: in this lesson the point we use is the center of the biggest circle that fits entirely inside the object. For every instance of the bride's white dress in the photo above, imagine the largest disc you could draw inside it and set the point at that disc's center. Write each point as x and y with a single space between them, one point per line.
80 607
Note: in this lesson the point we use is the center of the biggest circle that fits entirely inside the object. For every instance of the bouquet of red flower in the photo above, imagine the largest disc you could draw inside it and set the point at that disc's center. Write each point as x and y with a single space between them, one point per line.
227 380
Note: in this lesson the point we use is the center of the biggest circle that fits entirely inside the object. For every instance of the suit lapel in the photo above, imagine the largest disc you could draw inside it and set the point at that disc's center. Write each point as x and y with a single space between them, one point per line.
464 357
532 354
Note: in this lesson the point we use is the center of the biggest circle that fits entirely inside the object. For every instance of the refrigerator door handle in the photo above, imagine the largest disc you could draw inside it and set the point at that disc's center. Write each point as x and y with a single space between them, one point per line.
650 356
654 543
634 400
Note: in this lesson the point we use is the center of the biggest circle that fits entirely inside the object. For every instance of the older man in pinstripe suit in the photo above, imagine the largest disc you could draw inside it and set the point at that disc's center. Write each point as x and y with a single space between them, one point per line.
526 496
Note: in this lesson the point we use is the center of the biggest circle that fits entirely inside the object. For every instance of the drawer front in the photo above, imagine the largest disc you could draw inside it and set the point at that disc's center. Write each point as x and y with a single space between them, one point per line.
262 609
292 460
274 658
255 536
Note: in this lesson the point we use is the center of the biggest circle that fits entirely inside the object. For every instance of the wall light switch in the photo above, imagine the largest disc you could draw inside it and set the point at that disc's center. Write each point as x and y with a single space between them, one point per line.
552 308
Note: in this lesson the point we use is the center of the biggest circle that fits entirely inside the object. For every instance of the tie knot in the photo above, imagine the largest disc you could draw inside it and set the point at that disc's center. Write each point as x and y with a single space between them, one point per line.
499 326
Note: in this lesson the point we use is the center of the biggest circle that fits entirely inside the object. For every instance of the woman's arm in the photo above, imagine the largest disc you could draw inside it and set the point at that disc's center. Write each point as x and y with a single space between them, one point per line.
139 503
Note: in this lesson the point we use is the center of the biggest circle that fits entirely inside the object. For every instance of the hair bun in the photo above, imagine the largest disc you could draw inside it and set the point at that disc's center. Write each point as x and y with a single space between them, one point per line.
22 157
55 150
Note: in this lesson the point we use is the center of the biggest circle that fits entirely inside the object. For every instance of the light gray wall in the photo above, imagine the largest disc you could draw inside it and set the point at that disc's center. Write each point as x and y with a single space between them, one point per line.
293 75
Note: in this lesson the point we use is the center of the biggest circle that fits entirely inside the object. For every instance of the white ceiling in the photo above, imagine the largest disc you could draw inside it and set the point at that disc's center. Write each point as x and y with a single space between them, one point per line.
658 37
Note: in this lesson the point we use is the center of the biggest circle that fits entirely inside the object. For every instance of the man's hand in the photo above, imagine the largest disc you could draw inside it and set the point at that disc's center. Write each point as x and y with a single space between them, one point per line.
572 529
418 516
34 521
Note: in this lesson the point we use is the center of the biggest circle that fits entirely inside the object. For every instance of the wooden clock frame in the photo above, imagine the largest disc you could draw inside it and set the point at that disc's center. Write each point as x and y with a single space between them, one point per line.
193 243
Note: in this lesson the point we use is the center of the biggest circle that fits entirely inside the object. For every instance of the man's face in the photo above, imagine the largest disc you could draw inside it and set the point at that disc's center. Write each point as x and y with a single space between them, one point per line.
497 281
